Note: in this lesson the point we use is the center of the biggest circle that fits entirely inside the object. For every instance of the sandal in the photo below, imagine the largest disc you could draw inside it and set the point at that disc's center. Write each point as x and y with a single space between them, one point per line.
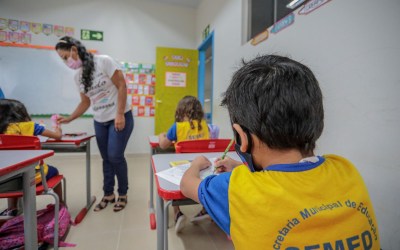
121 203
103 203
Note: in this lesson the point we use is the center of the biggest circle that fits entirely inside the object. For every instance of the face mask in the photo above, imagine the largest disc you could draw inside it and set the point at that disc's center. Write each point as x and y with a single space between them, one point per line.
245 157
73 64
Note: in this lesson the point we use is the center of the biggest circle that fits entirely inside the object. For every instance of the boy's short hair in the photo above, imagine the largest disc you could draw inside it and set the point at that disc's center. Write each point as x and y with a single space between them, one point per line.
278 100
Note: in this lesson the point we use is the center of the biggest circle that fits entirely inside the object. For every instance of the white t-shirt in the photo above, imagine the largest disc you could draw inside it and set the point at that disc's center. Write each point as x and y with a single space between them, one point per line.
103 93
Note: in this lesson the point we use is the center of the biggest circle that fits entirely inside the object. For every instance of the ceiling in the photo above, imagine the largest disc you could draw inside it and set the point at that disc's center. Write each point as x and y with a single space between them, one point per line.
187 3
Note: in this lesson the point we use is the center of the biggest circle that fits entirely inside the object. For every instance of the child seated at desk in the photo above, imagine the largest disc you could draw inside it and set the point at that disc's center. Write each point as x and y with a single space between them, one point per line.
15 120
283 196
189 125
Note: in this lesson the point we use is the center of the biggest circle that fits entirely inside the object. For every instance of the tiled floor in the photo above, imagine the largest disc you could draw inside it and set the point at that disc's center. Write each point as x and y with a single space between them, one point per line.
130 228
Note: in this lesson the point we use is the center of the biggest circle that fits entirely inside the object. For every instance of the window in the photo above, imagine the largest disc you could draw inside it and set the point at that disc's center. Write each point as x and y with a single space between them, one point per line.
262 14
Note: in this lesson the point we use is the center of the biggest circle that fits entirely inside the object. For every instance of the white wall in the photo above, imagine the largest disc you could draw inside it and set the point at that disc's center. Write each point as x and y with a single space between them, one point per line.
353 47
132 31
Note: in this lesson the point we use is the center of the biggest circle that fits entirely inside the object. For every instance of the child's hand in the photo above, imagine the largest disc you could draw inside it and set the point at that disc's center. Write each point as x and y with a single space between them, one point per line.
226 165
200 162
62 119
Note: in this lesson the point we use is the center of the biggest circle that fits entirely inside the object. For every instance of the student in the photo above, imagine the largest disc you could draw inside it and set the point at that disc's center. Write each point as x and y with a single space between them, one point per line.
189 125
284 197
102 85
15 120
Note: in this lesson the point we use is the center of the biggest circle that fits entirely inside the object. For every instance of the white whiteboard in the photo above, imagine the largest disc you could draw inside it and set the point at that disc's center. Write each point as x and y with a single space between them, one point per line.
39 79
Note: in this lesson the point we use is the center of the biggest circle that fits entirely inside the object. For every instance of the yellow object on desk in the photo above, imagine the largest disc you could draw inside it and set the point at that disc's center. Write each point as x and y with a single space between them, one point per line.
178 163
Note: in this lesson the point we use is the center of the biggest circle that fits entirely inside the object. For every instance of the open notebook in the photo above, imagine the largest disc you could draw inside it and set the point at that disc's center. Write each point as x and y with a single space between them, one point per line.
174 174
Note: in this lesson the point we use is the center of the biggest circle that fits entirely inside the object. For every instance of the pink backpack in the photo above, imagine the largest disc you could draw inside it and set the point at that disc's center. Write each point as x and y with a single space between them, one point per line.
12 232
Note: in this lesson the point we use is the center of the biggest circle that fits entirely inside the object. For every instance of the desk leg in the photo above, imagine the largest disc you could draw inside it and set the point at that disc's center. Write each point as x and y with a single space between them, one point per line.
30 220
166 215
89 199
160 219
153 224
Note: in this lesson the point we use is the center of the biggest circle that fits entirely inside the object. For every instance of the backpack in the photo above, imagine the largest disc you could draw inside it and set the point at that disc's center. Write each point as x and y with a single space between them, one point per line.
12 232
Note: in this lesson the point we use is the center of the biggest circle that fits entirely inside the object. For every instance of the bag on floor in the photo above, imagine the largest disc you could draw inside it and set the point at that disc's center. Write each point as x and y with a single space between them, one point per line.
12 232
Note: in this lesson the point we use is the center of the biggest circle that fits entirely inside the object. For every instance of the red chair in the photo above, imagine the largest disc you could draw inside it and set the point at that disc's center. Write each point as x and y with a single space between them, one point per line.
205 145
20 142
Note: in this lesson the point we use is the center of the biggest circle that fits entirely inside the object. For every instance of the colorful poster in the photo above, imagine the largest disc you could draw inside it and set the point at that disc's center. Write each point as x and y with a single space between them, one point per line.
135 89
36 28
13 25
69 31
148 101
59 30
152 111
153 79
142 78
175 79
140 111
13 36
3 36
135 110
129 78
25 26
152 90
3 23
135 100
147 69
26 38
140 89
47 29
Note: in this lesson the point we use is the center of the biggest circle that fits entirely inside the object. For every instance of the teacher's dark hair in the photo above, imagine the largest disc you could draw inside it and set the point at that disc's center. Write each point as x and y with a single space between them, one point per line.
278 100
66 43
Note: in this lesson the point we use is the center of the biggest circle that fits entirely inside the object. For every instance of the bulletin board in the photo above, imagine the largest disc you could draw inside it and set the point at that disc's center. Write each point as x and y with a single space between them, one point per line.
39 79
140 83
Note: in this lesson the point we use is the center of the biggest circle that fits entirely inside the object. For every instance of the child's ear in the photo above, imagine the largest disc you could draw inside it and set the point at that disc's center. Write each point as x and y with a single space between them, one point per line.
243 137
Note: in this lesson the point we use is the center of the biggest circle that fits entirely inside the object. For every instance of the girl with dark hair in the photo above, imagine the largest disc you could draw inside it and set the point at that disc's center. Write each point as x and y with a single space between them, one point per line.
189 125
102 85
15 120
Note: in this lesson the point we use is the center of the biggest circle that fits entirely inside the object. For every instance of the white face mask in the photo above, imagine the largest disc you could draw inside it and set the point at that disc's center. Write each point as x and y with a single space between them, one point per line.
72 63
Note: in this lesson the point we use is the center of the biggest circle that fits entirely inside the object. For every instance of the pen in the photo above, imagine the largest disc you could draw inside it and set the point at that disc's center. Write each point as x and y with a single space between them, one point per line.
225 152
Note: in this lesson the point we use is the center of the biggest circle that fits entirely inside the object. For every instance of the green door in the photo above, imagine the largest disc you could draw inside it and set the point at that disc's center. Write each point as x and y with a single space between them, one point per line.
176 77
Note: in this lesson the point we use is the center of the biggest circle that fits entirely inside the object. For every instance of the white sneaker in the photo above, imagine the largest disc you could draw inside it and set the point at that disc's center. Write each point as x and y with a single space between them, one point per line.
179 222
200 216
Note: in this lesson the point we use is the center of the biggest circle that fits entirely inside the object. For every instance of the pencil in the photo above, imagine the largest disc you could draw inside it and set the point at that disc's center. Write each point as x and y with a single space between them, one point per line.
225 152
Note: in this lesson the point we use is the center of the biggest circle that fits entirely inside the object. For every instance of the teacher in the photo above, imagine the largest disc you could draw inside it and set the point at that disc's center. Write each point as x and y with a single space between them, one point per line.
102 85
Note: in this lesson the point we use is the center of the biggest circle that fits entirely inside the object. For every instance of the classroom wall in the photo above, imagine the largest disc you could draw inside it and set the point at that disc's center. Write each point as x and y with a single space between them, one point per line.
353 47
132 31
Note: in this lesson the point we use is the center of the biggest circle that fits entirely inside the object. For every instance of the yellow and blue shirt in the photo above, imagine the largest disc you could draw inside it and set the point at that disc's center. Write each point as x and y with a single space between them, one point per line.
181 131
31 128
320 204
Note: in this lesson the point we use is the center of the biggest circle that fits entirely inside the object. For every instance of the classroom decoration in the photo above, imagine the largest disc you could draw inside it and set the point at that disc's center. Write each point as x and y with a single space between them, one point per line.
283 23
36 28
22 31
3 23
13 25
260 37
25 26
140 83
59 30
3 36
312 5
47 29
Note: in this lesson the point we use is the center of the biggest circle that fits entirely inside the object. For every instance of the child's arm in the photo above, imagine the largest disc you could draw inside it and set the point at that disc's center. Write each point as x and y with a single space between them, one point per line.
191 179
163 141
56 134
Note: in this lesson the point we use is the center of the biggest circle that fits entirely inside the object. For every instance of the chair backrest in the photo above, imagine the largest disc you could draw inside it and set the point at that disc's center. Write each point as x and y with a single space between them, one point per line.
15 142
214 131
202 146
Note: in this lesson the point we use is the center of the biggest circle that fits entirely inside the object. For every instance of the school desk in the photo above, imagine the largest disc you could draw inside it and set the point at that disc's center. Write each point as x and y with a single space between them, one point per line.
72 144
14 162
170 192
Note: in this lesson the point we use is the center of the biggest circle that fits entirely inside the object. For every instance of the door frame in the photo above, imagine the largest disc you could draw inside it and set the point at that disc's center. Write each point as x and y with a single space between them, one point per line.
207 43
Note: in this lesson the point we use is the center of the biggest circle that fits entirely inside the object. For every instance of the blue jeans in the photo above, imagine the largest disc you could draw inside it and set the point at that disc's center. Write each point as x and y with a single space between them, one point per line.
112 146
